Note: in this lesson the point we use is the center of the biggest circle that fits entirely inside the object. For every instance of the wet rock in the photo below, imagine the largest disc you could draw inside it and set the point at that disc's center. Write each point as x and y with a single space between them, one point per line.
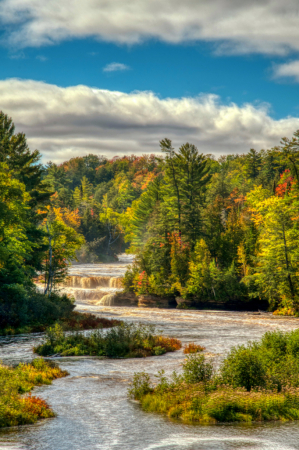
154 301
119 299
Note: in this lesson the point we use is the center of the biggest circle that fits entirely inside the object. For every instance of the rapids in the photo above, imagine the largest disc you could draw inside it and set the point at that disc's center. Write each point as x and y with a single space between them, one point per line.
93 411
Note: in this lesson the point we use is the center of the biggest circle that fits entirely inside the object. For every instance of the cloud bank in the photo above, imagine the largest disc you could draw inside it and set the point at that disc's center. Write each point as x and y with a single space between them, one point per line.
264 26
75 121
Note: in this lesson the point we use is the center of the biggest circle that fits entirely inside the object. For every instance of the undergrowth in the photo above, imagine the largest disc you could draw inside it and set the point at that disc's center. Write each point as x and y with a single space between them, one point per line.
124 340
256 382
17 405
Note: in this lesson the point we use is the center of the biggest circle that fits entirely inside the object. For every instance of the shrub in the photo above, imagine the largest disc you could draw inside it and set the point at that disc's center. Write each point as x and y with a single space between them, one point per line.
140 386
243 368
195 369
26 307
193 348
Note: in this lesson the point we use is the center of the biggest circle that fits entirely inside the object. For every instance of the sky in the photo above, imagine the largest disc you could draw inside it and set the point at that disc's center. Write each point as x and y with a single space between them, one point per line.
114 77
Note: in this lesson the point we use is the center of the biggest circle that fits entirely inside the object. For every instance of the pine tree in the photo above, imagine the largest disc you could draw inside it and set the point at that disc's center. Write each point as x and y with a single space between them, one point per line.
24 166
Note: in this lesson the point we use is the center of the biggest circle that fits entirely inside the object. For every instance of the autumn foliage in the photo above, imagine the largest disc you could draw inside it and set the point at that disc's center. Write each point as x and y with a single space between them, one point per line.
193 348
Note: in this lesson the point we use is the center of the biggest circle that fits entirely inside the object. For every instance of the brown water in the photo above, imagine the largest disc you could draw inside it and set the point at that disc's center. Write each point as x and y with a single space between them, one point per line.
92 405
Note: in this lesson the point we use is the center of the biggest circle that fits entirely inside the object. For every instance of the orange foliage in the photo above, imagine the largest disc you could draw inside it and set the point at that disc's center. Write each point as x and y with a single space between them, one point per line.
285 183
193 348
37 407
169 344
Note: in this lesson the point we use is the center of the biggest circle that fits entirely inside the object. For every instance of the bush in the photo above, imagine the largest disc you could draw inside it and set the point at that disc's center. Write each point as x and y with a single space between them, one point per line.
196 370
243 368
140 385
26 307
193 348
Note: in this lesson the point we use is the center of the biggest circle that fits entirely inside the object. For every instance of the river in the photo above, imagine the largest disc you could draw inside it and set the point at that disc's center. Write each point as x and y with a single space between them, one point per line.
93 411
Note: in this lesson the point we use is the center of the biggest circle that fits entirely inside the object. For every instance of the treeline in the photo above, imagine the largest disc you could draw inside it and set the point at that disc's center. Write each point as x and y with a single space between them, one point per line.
54 215
202 229
96 192
27 232
224 231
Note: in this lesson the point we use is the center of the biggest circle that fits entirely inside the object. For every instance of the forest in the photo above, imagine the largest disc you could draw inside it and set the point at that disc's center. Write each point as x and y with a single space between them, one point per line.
203 229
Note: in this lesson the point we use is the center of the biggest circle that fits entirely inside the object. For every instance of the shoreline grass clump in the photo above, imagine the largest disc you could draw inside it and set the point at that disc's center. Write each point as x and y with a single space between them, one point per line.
126 340
17 408
257 382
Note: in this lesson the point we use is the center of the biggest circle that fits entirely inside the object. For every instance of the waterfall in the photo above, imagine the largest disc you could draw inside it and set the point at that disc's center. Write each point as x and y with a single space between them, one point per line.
95 283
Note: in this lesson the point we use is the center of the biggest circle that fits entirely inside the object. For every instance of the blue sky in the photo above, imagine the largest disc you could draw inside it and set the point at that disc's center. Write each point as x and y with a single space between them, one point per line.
204 61
170 70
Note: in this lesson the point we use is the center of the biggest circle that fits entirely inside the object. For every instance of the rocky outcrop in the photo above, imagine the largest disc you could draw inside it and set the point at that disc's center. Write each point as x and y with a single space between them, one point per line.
154 301
119 299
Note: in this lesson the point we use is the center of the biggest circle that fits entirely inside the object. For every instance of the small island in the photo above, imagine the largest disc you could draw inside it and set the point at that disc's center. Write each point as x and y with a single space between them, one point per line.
258 382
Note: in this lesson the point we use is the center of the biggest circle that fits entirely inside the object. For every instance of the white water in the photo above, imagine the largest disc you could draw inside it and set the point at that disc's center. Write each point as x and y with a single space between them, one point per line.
92 405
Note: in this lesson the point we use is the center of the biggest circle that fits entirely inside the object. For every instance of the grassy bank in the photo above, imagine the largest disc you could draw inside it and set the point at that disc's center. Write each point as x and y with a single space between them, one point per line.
19 409
257 382
124 340
72 322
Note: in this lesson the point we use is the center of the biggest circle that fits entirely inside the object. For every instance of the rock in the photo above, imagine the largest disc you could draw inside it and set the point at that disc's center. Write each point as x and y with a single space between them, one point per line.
154 301
119 299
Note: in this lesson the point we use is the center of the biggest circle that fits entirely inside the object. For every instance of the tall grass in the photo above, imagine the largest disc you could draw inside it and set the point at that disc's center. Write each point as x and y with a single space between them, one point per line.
17 407
256 382
124 340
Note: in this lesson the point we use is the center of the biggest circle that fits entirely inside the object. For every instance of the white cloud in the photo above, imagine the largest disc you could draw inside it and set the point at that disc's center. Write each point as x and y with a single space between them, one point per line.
42 58
290 69
265 26
115 67
75 121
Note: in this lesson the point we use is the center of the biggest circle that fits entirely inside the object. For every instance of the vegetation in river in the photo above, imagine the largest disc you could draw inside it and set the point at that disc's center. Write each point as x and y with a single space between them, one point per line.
73 321
86 321
193 348
17 408
126 340
256 382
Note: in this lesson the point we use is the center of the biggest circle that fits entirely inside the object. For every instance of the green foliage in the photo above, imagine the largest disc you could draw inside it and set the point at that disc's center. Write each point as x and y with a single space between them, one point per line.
257 382
124 340
196 370
17 409
243 368
23 306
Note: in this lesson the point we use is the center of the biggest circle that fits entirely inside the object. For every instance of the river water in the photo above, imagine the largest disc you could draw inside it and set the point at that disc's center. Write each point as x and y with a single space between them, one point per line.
93 411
